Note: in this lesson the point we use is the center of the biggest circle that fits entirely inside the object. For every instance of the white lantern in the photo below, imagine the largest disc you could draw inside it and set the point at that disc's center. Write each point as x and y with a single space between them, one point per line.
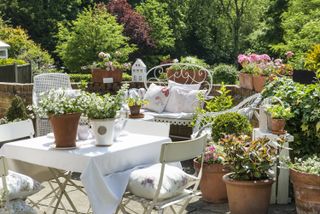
3 50
139 71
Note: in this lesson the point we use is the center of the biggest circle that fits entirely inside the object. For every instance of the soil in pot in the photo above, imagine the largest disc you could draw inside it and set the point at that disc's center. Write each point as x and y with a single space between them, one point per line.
258 82
277 126
211 184
307 192
187 76
246 80
65 129
246 197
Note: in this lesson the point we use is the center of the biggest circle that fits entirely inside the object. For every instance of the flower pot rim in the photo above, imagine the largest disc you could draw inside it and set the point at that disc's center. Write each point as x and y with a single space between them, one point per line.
304 173
62 115
229 180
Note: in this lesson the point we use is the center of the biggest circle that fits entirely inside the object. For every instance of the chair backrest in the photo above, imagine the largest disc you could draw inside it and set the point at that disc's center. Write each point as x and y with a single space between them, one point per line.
16 130
183 150
47 81
147 128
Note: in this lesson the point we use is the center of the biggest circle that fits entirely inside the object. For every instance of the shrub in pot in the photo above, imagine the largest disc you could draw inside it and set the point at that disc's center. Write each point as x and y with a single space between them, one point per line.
305 177
135 104
279 114
224 73
211 184
249 183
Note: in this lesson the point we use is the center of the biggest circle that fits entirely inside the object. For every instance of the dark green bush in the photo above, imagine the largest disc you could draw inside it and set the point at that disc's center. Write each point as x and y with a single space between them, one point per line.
17 110
80 77
225 73
230 123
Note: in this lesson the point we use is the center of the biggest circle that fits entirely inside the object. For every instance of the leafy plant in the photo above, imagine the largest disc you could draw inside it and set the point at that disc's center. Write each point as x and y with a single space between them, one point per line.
224 73
11 61
229 123
278 111
312 61
310 165
248 159
17 110
136 101
192 60
79 77
214 154
110 63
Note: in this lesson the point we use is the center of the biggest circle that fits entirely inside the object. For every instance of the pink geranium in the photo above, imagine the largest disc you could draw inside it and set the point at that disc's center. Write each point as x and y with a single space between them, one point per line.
289 54
243 59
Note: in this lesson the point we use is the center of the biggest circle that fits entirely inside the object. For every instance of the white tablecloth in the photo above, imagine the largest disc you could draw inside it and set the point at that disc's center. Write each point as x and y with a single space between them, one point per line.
105 170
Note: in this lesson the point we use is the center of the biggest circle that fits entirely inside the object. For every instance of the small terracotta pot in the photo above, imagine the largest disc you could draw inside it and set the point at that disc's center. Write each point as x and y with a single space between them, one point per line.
307 192
246 80
248 196
187 76
99 74
65 129
135 110
277 126
211 184
258 82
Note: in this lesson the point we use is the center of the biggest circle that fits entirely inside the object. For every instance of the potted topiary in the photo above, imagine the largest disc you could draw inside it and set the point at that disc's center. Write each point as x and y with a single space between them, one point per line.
212 186
279 114
305 177
135 104
249 183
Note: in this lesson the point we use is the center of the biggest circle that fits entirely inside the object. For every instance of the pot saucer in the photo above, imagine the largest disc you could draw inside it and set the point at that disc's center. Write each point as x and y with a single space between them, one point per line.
103 145
279 132
53 146
136 116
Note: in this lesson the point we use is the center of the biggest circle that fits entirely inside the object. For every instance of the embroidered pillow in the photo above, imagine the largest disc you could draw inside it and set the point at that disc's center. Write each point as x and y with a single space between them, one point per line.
182 100
144 182
18 206
157 97
21 186
184 86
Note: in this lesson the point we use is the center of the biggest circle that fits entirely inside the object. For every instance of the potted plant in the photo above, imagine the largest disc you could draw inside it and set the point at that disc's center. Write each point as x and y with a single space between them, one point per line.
305 177
279 114
101 111
249 183
211 184
135 104
110 68
246 73
63 110
190 70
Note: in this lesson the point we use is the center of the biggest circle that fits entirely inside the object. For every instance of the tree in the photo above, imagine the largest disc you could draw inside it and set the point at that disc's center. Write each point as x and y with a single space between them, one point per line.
158 19
93 31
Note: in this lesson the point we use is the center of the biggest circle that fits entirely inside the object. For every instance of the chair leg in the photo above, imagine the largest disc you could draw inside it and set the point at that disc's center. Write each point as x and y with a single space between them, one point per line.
184 206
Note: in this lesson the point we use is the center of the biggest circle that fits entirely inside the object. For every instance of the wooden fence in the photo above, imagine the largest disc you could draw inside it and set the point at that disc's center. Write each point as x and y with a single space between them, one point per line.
16 73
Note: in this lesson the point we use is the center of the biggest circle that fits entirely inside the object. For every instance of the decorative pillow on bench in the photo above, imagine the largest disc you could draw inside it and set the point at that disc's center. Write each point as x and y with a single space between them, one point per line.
172 84
157 96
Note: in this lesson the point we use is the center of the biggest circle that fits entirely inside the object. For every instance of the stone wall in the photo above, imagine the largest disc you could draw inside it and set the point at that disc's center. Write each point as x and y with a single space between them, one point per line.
9 90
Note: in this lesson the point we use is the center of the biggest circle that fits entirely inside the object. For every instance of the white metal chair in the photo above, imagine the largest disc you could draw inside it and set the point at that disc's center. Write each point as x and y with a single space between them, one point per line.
43 83
170 153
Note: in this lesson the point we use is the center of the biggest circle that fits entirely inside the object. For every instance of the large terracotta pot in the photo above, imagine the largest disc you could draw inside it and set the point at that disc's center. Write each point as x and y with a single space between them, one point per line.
277 126
211 184
307 192
187 76
246 80
65 129
258 82
98 75
248 196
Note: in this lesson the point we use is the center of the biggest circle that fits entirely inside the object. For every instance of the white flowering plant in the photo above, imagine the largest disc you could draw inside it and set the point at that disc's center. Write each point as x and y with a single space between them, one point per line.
112 62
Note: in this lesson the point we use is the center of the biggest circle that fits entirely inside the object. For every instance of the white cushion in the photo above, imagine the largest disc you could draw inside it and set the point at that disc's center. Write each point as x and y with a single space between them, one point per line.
18 206
182 100
157 96
144 182
21 186
184 86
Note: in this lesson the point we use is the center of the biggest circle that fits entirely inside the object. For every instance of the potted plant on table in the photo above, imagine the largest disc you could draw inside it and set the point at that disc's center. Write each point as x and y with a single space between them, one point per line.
249 183
305 176
279 114
110 68
135 104
211 184
63 110
101 111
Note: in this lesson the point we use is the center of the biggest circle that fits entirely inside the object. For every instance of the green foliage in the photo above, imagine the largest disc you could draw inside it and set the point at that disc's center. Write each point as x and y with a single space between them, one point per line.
93 31
304 103
310 165
156 15
278 111
213 154
11 61
126 77
227 74
192 60
230 123
136 101
312 61
17 110
80 77
248 159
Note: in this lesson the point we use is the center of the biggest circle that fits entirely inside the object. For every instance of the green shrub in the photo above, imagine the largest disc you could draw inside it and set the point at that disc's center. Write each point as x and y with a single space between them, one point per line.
230 123
126 77
80 77
312 61
17 110
11 61
227 74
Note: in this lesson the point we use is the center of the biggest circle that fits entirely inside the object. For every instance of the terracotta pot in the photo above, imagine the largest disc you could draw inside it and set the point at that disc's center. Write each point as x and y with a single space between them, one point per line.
98 75
187 76
135 110
65 129
248 196
307 192
258 82
277 126
211 184
246 80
